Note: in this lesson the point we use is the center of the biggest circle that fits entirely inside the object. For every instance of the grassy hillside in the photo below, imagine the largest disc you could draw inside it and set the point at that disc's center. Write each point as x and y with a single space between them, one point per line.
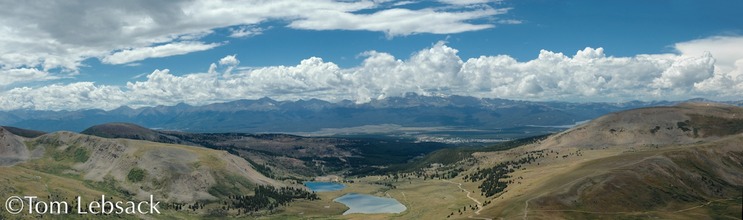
682 124
690 168
188 181
681 182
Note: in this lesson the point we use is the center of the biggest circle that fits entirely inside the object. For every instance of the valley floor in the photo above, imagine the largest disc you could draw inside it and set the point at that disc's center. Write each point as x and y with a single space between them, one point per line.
424 199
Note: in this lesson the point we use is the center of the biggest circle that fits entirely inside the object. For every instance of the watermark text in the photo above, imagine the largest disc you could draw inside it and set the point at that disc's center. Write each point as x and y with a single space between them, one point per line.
105 205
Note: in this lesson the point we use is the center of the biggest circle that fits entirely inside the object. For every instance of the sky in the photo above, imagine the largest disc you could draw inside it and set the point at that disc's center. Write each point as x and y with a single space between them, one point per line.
87 54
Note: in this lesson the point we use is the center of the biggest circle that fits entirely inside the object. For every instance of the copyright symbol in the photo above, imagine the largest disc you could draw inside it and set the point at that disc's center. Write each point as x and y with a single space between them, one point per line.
11 204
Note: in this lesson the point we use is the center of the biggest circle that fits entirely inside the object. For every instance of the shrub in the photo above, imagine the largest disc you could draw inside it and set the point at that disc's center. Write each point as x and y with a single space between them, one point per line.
136 174
81 155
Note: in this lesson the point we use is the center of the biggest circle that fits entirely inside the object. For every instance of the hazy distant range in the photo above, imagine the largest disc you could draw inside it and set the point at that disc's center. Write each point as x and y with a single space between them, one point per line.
412 114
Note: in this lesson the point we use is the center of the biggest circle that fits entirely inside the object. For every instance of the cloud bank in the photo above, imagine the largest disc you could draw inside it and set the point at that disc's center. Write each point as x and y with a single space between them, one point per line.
588 75
59 35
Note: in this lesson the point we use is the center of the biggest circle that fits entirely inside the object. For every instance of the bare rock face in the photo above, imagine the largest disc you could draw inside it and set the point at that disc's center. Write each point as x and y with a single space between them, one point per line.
12 149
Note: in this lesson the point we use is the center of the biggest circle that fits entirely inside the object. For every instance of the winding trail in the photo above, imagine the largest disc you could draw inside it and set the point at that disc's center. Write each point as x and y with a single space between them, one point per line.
706 204
407 203
479 204
526 206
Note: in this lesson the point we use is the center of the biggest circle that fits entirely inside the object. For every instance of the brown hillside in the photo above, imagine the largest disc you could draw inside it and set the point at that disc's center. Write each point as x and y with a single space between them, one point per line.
651 183
12 149
681 124
678 162
173 172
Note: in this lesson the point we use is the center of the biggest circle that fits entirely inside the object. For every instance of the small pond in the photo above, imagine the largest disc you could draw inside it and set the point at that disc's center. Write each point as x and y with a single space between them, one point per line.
368 204
324 186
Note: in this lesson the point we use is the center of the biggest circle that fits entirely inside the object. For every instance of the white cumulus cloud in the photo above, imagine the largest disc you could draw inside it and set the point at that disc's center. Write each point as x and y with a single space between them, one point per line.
79 95
230 60
19 75
727 51
586 75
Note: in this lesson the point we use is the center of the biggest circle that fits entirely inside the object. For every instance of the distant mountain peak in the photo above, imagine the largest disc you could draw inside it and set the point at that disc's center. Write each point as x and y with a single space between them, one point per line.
268 115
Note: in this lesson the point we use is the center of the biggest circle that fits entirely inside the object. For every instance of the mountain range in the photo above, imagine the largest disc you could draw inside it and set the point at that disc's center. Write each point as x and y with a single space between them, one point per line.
266 115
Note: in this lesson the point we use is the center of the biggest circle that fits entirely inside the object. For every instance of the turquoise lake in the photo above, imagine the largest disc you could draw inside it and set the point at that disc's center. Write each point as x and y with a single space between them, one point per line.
324 186
368 204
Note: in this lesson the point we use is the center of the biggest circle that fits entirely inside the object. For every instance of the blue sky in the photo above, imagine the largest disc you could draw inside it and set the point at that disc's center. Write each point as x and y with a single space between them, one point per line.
90 54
